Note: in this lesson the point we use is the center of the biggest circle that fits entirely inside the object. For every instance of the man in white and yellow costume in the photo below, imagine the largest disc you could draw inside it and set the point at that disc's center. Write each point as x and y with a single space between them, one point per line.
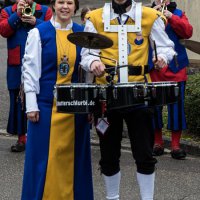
131 27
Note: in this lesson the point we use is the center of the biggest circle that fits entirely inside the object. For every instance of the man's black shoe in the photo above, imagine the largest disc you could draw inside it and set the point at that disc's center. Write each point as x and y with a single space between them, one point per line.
158 150
18 147
178 154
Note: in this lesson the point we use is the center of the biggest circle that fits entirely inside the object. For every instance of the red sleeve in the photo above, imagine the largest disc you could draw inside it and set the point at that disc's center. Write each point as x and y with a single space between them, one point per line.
181 26
5 28
48 14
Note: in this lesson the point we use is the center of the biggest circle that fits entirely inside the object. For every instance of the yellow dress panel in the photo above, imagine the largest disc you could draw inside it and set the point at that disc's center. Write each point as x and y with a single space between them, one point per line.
60 169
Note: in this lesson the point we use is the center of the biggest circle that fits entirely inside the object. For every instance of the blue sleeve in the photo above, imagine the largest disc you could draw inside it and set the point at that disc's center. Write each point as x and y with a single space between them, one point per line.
14 20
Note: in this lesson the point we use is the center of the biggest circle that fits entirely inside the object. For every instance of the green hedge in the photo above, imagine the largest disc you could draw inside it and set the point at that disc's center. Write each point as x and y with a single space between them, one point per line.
192 104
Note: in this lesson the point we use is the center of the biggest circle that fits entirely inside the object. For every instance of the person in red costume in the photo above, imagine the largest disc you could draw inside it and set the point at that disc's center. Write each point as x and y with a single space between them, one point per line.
178 27
15 25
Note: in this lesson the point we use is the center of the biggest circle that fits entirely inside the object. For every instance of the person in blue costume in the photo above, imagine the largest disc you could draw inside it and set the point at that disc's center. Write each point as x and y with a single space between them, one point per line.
178 27
58 158
15 25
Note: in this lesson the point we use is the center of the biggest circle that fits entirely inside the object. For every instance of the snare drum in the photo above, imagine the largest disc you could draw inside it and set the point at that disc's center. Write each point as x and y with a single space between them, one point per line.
162 93
124 95
76 97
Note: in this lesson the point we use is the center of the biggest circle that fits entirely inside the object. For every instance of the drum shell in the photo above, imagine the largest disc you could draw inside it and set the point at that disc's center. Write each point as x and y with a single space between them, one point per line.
121 96
76 98
163 93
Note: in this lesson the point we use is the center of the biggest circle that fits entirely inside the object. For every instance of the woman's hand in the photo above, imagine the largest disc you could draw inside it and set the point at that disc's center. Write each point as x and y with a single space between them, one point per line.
33 116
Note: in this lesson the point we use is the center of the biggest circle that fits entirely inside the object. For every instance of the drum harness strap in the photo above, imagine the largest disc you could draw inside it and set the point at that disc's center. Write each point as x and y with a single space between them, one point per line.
132 71
122 36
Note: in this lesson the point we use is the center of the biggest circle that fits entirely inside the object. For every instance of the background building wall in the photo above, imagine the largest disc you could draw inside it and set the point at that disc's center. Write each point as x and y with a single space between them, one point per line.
192 10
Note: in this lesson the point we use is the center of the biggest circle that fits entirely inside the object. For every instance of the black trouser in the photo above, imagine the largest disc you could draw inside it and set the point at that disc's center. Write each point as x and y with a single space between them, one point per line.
141 134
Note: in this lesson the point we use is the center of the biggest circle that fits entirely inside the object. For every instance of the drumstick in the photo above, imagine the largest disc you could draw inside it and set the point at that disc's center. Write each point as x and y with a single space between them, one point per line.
103 57
155 49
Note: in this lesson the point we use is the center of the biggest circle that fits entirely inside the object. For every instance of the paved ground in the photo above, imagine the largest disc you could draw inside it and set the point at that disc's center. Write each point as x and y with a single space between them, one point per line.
176 180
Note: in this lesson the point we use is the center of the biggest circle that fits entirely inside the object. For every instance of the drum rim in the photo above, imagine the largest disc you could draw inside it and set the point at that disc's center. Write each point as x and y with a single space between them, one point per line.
76 85
163 83
120 85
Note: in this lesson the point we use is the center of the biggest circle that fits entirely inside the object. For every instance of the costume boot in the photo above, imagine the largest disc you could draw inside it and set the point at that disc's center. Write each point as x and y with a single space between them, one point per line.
158 148
20 144
177 152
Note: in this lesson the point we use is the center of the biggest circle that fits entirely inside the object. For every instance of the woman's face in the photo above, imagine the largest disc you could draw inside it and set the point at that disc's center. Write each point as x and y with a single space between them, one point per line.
64 10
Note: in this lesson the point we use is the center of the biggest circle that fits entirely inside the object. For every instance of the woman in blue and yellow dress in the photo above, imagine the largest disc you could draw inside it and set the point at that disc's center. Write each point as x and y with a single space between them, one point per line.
58 160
